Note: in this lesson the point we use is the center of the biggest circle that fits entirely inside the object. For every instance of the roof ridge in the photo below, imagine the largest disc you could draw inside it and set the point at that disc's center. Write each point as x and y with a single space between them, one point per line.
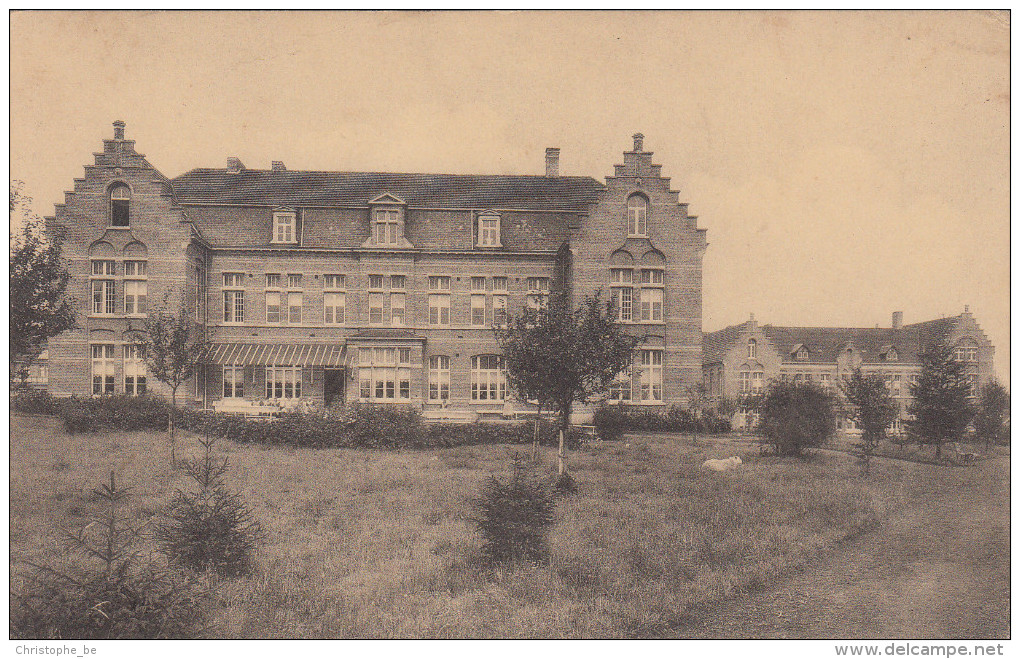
289 172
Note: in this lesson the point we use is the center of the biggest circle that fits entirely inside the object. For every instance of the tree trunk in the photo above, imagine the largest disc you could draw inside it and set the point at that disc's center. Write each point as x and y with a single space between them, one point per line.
564 428
938 450
538 431
170 428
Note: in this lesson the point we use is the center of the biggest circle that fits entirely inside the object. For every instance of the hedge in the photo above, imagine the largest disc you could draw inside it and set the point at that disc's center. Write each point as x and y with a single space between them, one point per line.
612 421
364 426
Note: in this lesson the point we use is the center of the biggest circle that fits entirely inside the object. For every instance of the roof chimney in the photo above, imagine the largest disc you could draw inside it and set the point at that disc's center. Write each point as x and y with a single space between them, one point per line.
552 162
966 308
234 165
897 320
278 166
118 130
639 142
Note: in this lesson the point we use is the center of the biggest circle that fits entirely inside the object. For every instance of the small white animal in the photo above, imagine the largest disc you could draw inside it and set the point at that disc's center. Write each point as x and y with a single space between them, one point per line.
722 465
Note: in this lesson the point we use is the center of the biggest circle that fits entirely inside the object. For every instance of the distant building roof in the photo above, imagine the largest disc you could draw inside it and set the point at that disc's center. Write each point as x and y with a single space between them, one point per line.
308 188
824 343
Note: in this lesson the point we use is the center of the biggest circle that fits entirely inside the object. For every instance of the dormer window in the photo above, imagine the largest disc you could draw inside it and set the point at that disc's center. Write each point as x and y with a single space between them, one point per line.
120 205
285 227
387 226
637 215
488 230
891 356
801 354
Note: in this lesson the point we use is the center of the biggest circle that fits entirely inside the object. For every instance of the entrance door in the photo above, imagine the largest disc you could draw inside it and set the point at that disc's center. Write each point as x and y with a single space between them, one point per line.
333 387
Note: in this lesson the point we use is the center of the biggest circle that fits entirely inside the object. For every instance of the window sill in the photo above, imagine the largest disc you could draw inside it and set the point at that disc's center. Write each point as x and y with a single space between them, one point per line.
488 246
292 243
127 228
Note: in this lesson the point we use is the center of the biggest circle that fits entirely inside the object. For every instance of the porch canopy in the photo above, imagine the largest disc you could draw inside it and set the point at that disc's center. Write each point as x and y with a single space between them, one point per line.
278 354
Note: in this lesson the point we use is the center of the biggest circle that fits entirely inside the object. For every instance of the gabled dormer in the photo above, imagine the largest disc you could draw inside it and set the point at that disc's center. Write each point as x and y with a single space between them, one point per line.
800 353
387 215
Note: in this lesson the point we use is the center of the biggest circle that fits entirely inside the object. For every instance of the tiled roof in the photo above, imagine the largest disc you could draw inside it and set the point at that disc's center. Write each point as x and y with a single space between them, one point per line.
824 343
302 188
716 344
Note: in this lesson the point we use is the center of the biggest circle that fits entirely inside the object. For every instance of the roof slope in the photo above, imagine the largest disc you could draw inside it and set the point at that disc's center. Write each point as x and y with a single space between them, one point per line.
259 187
824 343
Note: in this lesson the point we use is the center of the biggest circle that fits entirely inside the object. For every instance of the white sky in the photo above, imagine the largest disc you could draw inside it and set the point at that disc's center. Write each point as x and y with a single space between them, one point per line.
846 165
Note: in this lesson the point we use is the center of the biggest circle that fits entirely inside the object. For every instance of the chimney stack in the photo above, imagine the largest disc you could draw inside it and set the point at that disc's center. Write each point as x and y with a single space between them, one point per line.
278 166
966 308
897 320
552 162
639 142
234 165
118 130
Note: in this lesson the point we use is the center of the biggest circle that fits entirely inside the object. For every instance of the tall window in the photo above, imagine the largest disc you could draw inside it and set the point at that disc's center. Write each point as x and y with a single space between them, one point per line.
387 226
295 305
233 382
135 294
538 292
499 300
375 308
439 377
284 228
385 373
652 282
651 375
622 293
478 310
134 371
488 230
752 349
334 299
488 379
397 309
103 369
439 305
637 215
120 205
283 382
104 300
233 297
745 381
757 380
621 386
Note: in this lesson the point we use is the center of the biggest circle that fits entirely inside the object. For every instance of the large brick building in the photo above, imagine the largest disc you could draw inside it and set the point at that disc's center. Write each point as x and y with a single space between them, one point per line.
330 287
741 359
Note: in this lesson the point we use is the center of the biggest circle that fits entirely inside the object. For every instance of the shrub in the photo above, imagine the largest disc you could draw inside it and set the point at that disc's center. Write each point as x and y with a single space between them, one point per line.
611 421
795 416
514 516
34 401
111 597
213 528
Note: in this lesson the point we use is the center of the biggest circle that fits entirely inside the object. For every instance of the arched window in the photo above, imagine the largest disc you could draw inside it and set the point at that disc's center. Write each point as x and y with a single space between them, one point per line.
752 349
637 215
120 205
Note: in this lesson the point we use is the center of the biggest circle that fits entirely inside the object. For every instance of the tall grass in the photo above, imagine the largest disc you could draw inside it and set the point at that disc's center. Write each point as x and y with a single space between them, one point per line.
367 544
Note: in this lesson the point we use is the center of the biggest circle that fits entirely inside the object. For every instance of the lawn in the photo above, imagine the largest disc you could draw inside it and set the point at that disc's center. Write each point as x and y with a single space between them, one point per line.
372 543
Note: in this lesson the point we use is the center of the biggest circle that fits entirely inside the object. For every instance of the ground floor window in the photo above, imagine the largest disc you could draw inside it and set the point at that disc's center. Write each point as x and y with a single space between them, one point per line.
134 371
283 382
620 388
439 377
651 375
385 373
233 382
103 369
488 379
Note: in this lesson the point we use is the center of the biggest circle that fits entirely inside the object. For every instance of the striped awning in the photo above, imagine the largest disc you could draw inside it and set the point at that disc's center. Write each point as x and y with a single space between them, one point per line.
278 354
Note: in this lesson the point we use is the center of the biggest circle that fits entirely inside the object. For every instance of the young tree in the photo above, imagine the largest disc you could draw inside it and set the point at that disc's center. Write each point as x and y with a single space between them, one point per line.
560 356
871 407
941 407
795 416
39 308
697 402
992 412
173 347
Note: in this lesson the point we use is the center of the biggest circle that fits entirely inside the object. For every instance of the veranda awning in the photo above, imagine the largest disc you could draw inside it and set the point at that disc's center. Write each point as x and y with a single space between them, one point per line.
278 354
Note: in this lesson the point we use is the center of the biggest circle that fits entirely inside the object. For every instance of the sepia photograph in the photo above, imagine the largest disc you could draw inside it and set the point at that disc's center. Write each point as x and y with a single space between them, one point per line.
357 325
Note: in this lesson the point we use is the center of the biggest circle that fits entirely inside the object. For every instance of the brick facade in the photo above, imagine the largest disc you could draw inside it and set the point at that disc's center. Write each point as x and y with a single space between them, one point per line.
213 237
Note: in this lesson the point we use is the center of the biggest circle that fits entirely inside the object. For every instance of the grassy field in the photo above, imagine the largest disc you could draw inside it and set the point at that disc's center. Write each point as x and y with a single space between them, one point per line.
380 544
